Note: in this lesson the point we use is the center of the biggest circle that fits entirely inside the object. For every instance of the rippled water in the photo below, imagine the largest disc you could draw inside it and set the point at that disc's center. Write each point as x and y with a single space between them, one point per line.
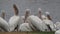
53 6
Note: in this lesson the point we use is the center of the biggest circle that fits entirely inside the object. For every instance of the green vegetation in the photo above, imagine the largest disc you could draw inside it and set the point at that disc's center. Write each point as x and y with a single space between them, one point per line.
40 32
36 32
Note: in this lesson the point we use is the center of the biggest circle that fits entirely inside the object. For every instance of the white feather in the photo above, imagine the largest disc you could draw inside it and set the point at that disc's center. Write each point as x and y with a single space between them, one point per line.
49 22
25 27
13 22
57 25
4 24
37 22
57 32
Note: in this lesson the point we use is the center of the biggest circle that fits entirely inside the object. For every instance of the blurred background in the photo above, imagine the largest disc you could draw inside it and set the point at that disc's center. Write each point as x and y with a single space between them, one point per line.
53 6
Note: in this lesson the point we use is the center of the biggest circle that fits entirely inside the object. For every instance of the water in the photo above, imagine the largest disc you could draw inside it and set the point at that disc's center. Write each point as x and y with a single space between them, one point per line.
53 6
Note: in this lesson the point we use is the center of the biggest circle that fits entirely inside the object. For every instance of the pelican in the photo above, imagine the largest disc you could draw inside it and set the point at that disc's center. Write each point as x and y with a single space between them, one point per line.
37 23
25 26
49 22
57 25
57 32
15 20
3 14
3 23
48 15
40 13
27 14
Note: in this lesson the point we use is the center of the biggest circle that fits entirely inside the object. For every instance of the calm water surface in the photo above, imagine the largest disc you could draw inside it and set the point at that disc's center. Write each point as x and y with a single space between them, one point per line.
53 6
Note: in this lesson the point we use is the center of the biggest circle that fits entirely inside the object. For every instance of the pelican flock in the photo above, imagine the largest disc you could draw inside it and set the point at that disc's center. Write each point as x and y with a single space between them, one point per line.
29 22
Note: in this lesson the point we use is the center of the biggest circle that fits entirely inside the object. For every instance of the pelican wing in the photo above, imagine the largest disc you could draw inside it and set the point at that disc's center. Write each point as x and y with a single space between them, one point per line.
25 27
57 32
50 23
13 22
3 24
37 22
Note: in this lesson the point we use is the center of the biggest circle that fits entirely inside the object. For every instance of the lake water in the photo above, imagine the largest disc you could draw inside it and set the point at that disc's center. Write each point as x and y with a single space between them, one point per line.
53 6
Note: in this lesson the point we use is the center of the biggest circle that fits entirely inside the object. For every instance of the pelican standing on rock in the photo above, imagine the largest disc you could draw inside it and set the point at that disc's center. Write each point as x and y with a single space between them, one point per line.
57 25
40 14
27 14
14 20
49 22
3 23
57 32
48 15
3 14
25 26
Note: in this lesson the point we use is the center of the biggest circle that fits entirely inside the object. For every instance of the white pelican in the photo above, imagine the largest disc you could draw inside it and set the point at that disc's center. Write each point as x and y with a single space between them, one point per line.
57 32
3 14
49 22
40 13
3 24
48 15
25 26
37 23
27 14
15 20
57 25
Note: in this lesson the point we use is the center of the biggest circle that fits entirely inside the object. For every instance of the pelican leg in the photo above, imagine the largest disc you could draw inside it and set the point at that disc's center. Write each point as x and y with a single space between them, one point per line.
16 29
49 27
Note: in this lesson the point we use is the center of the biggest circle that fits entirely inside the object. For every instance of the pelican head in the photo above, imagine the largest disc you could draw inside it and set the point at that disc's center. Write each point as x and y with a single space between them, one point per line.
48 15
3 14
39 9
44 17
15 9
27 14
57 22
